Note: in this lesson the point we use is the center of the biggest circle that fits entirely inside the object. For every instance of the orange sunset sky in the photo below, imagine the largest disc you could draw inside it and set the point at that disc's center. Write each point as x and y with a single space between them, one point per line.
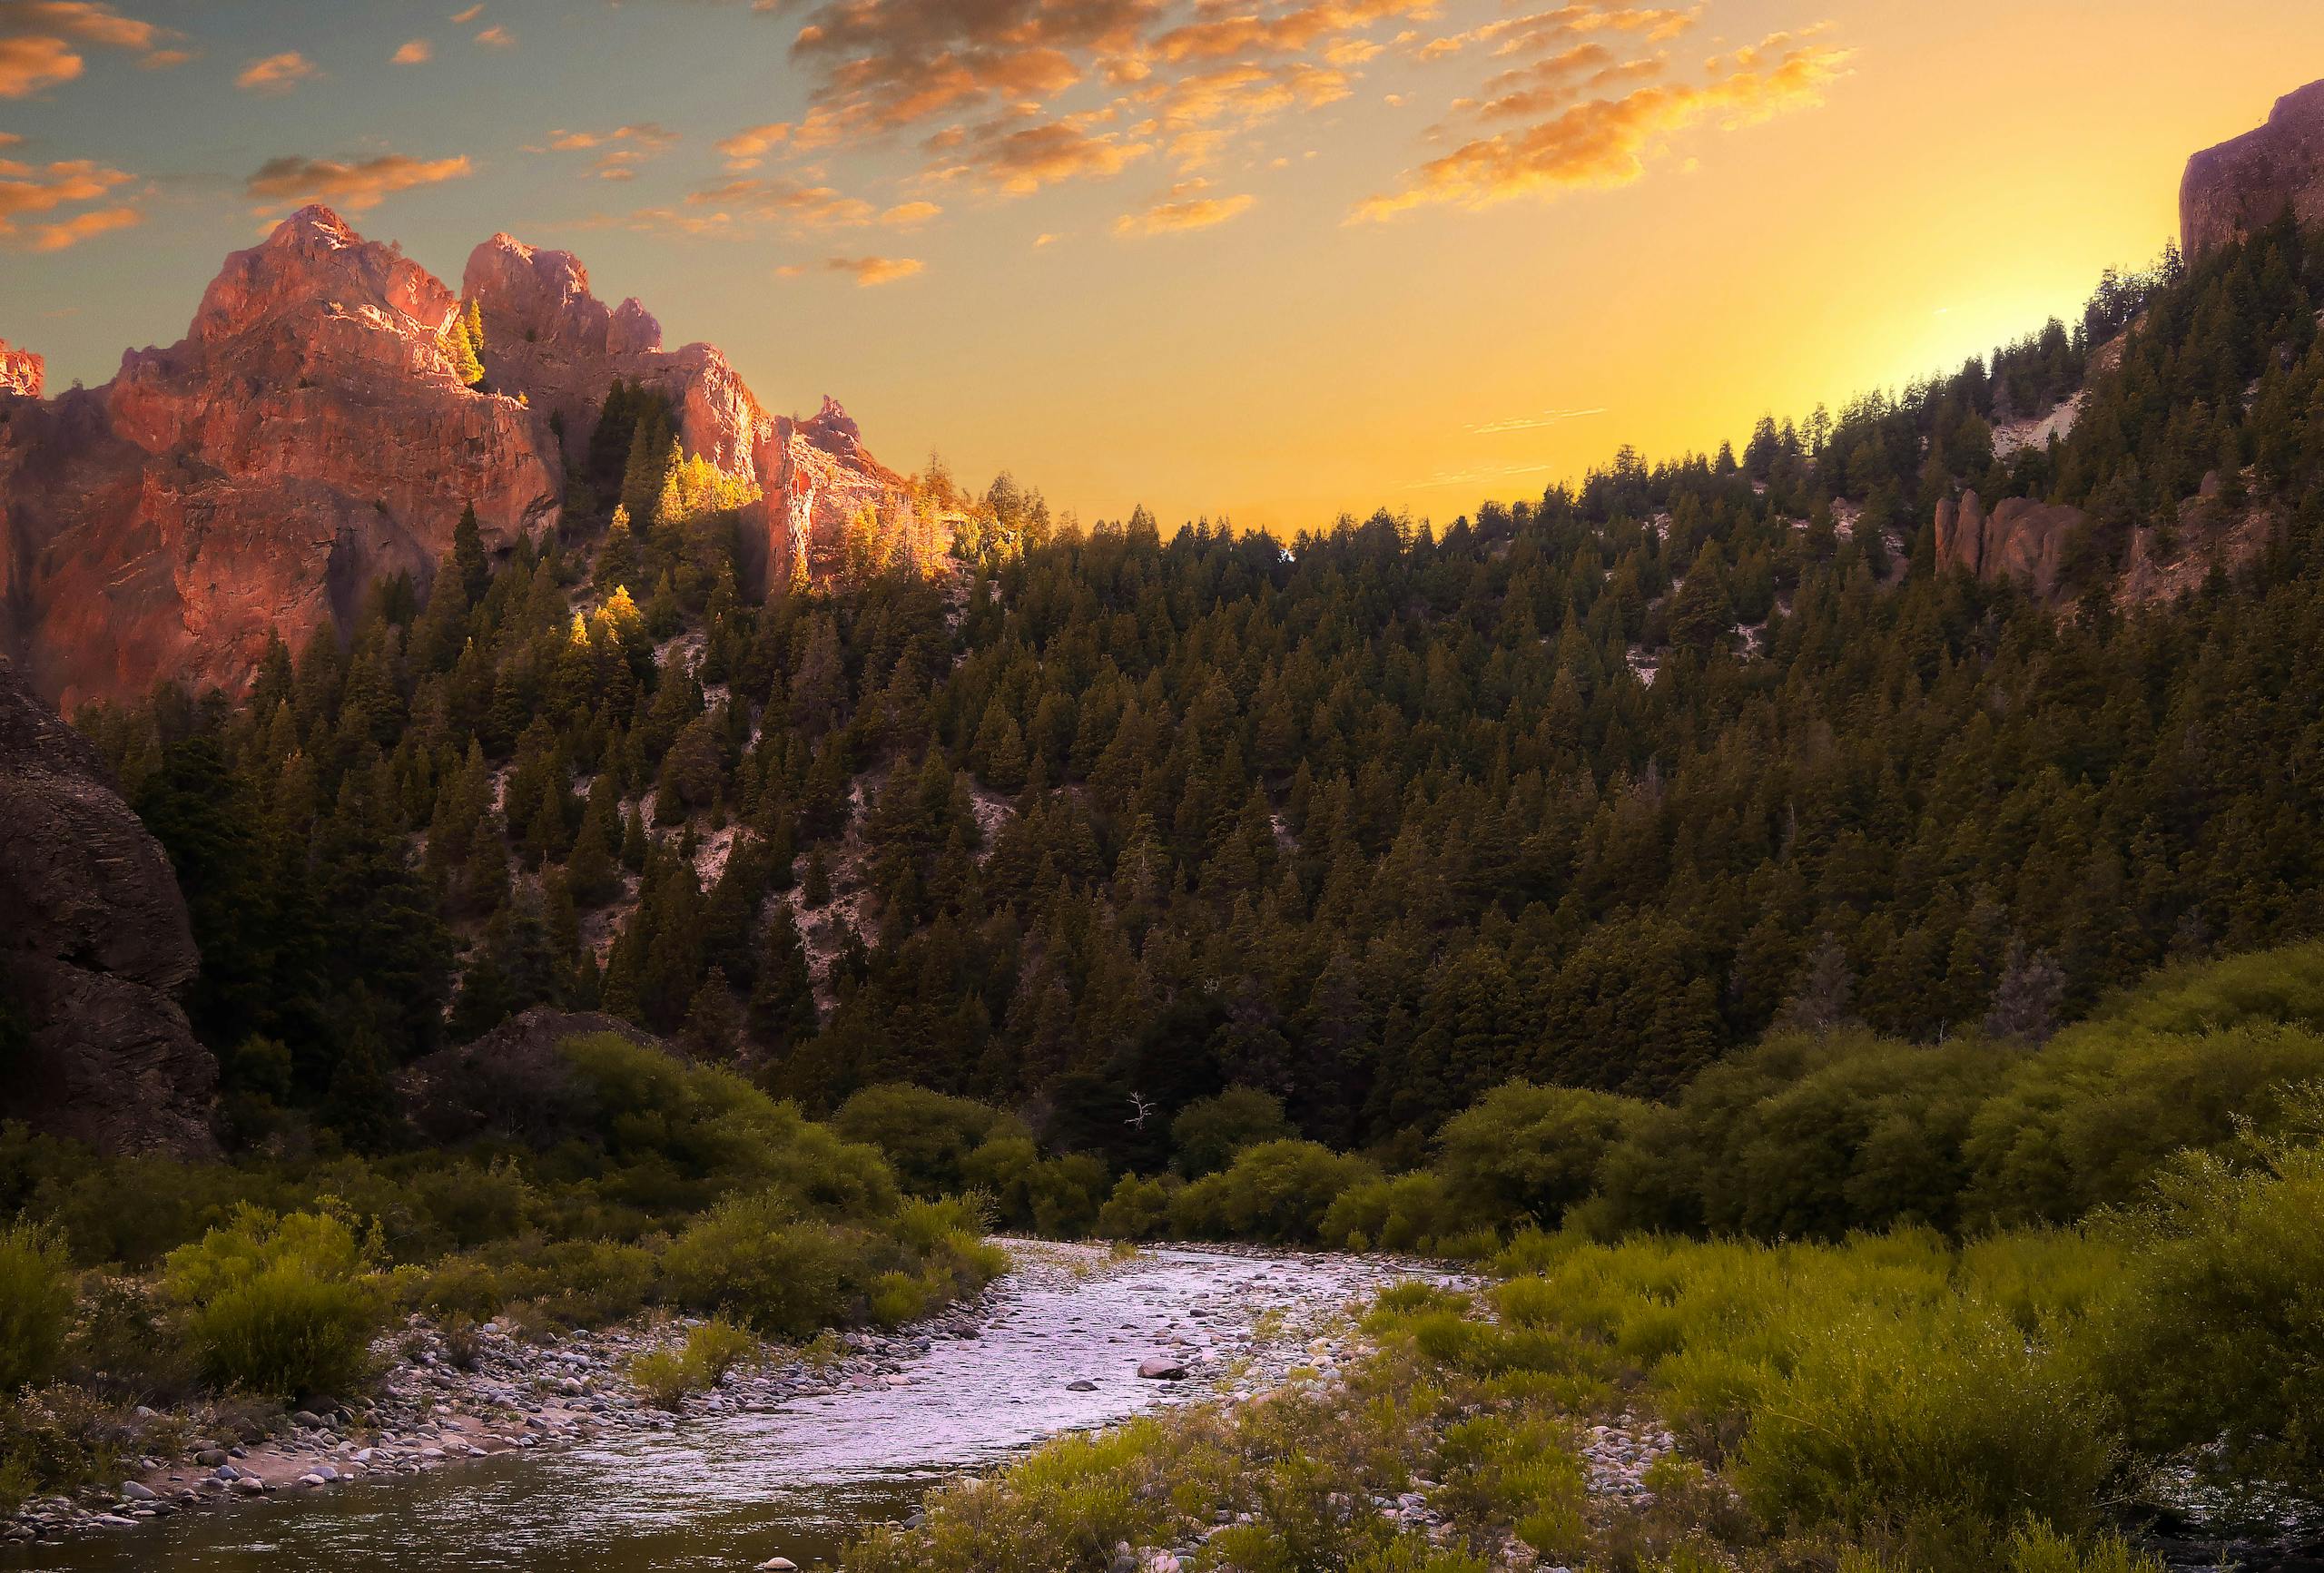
1269 260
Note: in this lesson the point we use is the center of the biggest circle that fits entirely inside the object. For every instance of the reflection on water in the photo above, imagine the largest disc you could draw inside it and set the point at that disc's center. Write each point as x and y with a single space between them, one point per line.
726 1491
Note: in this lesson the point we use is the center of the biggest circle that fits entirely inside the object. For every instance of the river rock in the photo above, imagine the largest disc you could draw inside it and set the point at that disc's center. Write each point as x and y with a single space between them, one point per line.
1161 1368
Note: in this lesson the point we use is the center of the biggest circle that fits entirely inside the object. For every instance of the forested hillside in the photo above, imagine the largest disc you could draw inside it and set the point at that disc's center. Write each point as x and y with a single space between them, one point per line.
1586 788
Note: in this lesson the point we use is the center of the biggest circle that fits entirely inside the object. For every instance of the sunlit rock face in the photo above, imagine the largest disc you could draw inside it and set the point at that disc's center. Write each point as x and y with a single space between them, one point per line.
548 337
308 436
21 372
95 947
2242 186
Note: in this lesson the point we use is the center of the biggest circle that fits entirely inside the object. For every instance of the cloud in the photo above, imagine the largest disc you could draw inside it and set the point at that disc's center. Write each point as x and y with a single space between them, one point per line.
29 65
780 200
30 192
1607 141
1532 422
905 215
869 271
1189 110
71 232
1045 238
418 52
275 73
748 148
462 18
886 65
358 187
25 189
1550 29
1215 37
496 37
1181 209
82 19
1018 156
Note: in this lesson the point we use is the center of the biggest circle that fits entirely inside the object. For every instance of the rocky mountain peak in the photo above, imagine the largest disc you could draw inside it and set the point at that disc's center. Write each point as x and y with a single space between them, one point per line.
2245 184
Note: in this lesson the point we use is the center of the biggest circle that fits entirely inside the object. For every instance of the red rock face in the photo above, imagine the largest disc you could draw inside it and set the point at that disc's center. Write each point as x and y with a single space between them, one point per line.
547 337
2022 540
308 436
2241 186
21 372
305 438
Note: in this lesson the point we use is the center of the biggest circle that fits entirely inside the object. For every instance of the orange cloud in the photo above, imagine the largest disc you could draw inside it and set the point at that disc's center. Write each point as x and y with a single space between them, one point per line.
81 19
71 232
1548 29
784 201
748 148
869 271
1607 141
496 37
1222 37
29 65
890 63
25 189
1018 158
1180 210
418 52
905 215
357 187
462 18
276 73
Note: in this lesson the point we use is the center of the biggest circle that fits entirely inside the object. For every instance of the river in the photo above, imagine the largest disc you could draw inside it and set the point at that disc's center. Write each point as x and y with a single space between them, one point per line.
726 1490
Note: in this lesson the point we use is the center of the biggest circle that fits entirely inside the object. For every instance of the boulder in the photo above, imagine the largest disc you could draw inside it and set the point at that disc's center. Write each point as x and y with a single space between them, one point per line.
96 947
512 1082
2242 186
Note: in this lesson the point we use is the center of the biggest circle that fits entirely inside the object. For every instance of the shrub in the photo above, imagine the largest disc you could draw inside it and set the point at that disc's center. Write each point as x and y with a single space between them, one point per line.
1408 1213
1139 1208
127 1344
1938 1421
465 1287
751 1258
1276 1191
53 1438
282 1305
667 1374
1208 1132
35 1304
1525 1153
926 1136
2218 1335
897 1298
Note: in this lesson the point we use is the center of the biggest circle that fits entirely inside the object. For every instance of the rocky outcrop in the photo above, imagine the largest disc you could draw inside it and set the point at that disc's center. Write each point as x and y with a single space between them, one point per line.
21 372
512 1084
307 436
2242 186
2022 540
550 339
95 945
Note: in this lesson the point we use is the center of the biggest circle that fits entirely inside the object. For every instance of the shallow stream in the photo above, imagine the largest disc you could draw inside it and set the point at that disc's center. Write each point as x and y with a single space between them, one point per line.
726 1490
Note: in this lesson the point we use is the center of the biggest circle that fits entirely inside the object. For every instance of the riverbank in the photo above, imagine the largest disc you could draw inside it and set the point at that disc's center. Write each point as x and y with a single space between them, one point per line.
1226 1322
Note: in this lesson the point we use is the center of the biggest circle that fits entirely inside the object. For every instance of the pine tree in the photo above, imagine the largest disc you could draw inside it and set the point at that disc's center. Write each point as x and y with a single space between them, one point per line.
782 1000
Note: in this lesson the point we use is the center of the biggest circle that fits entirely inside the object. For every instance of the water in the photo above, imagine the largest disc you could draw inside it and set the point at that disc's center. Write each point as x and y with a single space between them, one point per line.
728 1491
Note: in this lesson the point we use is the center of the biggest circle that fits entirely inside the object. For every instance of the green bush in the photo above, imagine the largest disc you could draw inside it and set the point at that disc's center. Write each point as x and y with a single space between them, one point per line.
1525 1153
1208 1132
1938 1421
35 1304
897 1298
1407 1213
282 1305
753 1259
666 1375
1139 1208
2215 1345
1276 1191
926 1136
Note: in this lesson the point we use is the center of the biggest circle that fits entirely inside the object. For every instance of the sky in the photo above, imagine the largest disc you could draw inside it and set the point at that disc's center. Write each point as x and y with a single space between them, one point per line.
1263 260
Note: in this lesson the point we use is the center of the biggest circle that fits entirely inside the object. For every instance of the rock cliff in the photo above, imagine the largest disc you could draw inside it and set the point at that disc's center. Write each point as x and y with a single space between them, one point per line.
2022 540
21 372
549 337
310 436
2240 186
95 945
